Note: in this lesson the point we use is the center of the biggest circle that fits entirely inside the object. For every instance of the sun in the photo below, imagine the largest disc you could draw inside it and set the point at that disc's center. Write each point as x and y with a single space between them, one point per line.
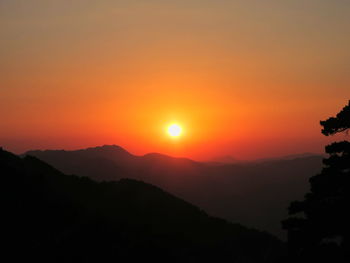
174 130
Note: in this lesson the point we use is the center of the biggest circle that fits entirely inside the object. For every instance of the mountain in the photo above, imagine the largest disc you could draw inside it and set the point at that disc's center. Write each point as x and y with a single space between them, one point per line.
288 157
226 159
255 194
48 216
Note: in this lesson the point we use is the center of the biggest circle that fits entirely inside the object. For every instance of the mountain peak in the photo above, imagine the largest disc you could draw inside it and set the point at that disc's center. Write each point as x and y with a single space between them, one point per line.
106 147
110 152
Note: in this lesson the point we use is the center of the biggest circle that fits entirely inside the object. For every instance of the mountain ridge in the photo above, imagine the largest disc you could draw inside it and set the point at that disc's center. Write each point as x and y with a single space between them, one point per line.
239 192
70 218
228 159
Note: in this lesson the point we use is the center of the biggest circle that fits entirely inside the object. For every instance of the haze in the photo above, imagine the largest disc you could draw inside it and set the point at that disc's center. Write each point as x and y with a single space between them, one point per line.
251 79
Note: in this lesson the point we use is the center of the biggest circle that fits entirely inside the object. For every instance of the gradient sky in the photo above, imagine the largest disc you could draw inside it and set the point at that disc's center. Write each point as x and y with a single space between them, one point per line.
246 78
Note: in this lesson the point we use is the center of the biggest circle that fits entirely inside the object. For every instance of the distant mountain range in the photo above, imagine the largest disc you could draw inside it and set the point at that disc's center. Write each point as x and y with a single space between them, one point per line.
228 159
48 216
255 194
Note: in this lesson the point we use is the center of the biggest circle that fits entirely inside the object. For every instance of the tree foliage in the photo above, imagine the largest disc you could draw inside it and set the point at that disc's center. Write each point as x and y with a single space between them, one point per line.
318 226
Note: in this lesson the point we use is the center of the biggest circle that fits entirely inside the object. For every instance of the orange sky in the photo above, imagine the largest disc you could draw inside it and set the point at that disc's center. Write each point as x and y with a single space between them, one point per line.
243 78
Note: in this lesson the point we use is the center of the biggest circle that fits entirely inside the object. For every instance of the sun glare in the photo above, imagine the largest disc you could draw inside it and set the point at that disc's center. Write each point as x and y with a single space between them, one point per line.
174 130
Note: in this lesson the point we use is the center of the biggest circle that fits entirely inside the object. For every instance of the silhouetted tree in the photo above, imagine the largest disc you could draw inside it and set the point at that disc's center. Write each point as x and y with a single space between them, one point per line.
318 228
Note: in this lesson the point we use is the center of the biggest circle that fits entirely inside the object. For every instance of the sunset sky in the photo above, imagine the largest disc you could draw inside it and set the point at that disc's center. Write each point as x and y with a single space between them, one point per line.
247 78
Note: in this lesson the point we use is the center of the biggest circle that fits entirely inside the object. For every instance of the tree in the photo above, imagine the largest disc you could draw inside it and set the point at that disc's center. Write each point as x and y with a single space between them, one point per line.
318 227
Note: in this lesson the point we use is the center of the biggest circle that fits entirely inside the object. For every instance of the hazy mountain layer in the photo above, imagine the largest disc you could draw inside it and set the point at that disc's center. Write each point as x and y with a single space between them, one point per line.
52 217
256 194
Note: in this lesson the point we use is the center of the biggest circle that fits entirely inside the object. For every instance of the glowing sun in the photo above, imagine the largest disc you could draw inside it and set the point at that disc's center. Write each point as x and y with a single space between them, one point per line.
174 130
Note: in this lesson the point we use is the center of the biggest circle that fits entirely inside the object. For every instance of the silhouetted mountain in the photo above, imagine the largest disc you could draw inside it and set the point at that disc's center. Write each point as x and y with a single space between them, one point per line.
255 193
52 217
226 159
288 157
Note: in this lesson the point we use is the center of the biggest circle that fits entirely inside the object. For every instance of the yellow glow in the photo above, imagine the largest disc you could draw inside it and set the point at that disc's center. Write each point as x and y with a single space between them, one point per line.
174 130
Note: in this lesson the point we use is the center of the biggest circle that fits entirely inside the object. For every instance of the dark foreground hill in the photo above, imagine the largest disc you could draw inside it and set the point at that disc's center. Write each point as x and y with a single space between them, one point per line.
254 194
52 217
